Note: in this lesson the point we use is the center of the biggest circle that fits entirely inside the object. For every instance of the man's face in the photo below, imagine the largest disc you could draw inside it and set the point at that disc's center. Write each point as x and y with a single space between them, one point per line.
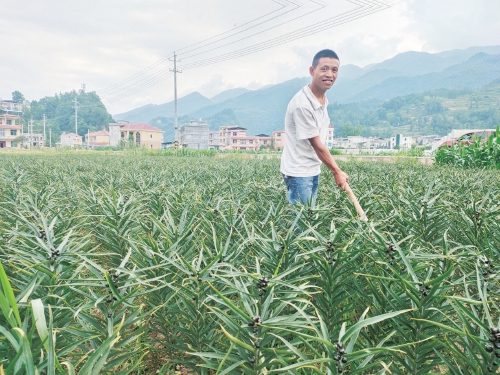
325 73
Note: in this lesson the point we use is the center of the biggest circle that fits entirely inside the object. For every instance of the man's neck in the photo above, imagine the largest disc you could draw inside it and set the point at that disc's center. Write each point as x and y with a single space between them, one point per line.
320 95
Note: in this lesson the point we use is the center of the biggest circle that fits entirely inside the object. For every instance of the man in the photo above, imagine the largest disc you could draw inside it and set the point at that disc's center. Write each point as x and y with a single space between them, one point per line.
306 127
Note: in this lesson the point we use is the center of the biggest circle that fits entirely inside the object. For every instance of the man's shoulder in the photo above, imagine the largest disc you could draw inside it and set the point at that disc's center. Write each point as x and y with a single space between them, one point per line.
300 99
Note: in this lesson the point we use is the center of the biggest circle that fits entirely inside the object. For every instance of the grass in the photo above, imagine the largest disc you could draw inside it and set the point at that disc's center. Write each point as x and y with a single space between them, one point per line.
137 264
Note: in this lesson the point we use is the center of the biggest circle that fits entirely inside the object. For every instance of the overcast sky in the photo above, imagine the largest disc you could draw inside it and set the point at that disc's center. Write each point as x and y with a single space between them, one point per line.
116 47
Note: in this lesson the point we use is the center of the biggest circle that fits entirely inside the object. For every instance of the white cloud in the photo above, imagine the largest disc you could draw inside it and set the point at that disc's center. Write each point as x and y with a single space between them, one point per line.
54 46
454 24
214 85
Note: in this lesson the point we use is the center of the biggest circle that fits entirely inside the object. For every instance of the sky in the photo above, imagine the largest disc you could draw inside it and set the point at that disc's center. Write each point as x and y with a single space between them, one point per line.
123 49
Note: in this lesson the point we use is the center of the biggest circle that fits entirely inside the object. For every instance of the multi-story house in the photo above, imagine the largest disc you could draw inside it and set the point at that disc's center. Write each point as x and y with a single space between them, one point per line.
329 137
143 135
72 140
227 133
279 139
195 135
34 139
244 142
96 139
10 129
236 138
214 140
11 107
264 140
359 142
401 142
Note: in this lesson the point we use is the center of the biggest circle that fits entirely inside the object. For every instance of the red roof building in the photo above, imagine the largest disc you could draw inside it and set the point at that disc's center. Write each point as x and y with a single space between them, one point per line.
97 139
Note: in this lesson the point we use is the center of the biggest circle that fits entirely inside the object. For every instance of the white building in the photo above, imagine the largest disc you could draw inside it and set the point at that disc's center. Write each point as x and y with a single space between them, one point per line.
214 140
34 139
11 107
353 141
195 135
329 137
71 140
378 143
400 142
360 143
115 133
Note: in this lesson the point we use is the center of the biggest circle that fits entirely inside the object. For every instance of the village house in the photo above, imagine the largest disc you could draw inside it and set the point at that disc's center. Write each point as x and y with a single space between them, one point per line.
361 143
72 140
329 137
11 107
236 138
195 135
10 129
401 142
278 139
143 135
97 139
227 135
265 141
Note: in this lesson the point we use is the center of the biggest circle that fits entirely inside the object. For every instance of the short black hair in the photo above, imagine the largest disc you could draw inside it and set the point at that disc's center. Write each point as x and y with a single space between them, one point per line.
324 53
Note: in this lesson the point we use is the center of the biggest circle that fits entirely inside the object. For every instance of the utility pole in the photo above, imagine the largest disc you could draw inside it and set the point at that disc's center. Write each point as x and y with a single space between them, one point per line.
176 133
44 134
50 137
76 115
88 132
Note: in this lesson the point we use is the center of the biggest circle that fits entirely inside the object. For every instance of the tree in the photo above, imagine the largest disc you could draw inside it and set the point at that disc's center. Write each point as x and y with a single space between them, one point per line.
60 113
382 113
433 107
348 129
21 139
18 97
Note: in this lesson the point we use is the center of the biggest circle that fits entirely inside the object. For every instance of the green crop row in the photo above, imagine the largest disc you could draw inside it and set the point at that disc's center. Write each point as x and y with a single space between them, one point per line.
145 265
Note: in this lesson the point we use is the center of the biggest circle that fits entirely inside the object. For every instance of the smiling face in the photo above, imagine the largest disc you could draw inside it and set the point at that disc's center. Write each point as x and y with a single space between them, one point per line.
324 74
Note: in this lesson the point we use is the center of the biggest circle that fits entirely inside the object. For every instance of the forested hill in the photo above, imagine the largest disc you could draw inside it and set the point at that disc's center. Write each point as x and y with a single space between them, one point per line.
431 112
60 113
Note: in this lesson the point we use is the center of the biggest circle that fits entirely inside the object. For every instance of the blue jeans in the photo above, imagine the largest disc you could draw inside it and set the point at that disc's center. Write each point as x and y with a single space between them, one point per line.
302 190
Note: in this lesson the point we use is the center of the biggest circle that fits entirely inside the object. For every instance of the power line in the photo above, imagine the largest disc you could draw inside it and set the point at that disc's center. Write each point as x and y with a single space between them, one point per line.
365 8
261 23
144 82
298 34
139 88
166 58
262 31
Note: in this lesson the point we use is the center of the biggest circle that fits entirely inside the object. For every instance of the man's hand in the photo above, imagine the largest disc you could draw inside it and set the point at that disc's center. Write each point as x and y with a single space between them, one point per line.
341 178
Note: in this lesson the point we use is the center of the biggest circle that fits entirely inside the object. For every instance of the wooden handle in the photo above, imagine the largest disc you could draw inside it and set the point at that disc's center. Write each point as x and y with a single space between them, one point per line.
355 202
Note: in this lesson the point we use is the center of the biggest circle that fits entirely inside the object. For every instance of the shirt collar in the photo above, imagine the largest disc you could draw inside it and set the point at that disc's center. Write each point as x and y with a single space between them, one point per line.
314 101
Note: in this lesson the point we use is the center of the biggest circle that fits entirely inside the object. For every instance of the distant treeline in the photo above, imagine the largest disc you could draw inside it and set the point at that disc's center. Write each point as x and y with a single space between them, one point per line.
60 113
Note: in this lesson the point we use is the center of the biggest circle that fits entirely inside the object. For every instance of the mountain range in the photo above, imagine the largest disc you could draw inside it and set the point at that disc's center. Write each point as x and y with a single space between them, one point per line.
262 111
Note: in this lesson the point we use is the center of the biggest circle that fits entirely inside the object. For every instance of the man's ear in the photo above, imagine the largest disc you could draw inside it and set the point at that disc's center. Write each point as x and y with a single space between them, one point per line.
311 70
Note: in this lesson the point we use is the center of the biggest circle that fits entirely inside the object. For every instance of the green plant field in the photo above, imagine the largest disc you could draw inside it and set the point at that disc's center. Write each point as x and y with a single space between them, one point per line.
130 264
479 154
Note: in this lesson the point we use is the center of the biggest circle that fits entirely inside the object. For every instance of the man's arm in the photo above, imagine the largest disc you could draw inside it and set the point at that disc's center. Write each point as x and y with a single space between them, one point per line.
341 178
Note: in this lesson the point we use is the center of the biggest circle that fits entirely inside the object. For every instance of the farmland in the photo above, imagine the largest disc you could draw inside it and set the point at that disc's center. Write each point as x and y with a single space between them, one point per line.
144 265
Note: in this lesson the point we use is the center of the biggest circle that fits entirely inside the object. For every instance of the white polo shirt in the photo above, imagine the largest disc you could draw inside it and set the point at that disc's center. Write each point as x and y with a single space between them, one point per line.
305 118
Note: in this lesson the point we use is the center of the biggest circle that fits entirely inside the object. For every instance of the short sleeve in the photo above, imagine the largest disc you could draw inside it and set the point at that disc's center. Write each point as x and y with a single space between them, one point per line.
305 124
